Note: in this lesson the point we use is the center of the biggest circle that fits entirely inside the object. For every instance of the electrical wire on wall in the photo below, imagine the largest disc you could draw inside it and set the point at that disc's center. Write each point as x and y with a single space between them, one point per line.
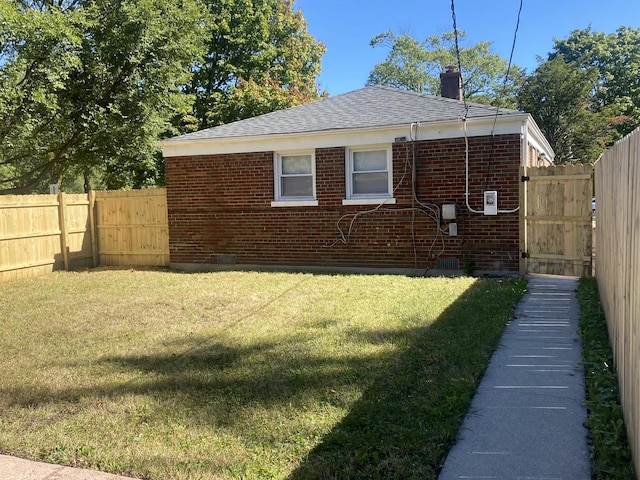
463 118
504 87
432 211
466 169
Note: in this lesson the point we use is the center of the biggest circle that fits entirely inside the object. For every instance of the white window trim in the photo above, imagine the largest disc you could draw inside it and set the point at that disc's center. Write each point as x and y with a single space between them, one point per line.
369 201
294 203
375 199
279 200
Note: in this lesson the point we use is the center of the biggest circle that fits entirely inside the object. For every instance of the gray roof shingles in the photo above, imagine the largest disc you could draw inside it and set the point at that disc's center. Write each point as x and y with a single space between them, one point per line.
368 107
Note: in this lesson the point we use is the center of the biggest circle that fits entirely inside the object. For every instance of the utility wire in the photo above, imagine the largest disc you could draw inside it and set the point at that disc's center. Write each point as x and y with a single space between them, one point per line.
506 77
504 88
455 34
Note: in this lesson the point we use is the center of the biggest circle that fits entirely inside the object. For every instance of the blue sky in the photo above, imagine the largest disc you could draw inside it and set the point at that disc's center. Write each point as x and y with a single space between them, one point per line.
347 26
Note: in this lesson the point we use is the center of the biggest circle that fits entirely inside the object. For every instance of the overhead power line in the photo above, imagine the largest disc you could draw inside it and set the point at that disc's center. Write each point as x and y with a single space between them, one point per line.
455 34
506 77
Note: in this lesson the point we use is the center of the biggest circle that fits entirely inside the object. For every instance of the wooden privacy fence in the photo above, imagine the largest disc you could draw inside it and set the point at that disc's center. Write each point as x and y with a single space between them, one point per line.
617 177
132 227
556 220
43 233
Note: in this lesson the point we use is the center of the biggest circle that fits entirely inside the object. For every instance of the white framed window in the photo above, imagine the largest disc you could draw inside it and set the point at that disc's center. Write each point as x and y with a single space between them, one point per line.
369 172
294 179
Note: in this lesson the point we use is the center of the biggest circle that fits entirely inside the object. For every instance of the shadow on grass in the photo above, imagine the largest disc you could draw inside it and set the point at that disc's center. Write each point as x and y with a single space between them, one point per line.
406 421
402 425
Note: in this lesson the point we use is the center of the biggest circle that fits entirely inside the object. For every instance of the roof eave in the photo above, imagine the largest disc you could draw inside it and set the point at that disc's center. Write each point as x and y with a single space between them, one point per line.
476 126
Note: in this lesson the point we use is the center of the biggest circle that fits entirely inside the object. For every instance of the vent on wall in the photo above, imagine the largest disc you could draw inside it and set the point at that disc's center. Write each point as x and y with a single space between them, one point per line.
447 264
227 259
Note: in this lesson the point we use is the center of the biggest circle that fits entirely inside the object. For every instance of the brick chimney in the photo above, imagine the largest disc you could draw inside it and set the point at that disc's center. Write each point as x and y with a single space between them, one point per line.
451 83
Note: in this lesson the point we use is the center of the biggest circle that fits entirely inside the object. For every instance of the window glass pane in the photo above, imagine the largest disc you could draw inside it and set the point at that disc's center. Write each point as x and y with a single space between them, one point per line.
367 161
370 183
297 187
296 164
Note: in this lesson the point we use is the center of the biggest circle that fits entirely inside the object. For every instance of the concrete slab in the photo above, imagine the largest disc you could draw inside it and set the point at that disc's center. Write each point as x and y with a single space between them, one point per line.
527 418
18 469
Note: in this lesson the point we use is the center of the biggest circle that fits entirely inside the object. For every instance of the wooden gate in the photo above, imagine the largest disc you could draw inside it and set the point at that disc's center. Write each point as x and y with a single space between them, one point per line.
556 233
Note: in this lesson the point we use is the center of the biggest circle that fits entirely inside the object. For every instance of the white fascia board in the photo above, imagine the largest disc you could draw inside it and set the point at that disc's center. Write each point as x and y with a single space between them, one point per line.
513 124
537 139
282 142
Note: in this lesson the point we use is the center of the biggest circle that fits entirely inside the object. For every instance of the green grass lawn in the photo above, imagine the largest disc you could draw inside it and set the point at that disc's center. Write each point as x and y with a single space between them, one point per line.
165 375
610 453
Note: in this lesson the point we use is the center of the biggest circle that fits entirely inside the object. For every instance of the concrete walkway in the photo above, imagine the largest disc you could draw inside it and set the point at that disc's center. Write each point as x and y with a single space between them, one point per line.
526 419
12 468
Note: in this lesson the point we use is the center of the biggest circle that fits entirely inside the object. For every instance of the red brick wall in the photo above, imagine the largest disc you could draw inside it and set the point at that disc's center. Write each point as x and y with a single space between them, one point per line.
221 205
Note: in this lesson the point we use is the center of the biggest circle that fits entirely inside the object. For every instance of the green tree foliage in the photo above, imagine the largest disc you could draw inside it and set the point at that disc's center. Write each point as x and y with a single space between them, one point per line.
260 58
587 94
88 86
416 65
615 60
558 96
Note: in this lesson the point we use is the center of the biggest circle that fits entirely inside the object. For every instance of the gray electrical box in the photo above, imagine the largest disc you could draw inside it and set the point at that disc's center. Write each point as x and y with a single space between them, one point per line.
491 202
448 211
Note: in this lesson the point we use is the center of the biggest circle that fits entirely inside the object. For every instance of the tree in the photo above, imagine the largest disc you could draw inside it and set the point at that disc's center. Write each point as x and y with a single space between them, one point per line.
615 59
88 86
416 65
260 58
558 96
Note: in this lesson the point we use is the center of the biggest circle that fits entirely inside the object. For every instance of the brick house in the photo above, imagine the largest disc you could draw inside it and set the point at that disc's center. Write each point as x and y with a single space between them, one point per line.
377 178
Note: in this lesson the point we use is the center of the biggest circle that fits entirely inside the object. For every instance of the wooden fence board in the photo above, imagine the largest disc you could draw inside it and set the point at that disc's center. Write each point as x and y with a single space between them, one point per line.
132 227
29 236
78 231
618 269
43 233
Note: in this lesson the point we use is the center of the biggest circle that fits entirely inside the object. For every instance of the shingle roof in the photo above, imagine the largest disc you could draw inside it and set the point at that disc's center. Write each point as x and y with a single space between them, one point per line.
369 107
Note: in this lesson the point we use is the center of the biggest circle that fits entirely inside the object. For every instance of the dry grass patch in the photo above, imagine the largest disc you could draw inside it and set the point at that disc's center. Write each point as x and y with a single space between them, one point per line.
163 375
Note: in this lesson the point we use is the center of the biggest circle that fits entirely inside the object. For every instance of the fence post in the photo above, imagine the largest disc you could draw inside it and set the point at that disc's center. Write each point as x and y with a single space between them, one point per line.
92 228
63 230
523 220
